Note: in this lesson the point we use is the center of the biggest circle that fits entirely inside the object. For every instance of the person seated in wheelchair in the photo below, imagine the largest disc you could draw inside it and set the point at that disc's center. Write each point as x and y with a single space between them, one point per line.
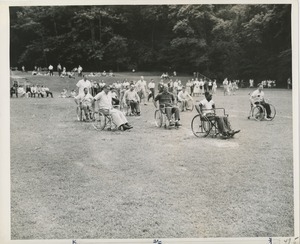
105 104
85 102
166 101
206 108
184 98
258 97
132 99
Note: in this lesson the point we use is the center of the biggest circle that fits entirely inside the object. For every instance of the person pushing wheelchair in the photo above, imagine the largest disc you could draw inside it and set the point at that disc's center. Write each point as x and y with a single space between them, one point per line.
206 108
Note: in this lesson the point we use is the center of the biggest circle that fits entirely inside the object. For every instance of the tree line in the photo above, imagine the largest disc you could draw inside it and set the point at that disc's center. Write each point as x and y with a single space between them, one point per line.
235 41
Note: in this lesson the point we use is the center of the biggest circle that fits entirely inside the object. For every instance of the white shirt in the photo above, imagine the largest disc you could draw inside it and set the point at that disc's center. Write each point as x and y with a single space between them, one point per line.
131 95
257 96
86 99
141 85
183 95
151 85
83 84
207 105
104 100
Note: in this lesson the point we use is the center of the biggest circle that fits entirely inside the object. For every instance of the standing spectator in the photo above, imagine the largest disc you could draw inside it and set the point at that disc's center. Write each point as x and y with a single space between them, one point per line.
188 87
50 70
79 70
175 87
234 87
23 68
289 83
84 83
161 86
201 85
251 83
214 88
225 86
141 87
94 89
59 69
151 87
210 85
198 87
205 85
192 87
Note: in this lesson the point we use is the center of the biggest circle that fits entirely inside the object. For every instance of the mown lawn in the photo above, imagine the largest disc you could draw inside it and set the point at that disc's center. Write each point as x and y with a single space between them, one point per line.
70 181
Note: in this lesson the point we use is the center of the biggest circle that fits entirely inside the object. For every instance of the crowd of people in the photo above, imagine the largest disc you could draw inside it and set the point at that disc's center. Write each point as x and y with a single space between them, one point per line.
30 90
130 95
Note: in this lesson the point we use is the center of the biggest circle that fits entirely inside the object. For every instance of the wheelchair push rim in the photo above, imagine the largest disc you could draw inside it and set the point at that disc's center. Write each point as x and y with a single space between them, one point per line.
200 126
158 118
99 121
273 112
258 113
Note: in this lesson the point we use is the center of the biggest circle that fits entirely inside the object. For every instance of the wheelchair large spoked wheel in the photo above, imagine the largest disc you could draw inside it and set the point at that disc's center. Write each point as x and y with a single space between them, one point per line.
273 112
99 121
158 118
258 112
200 127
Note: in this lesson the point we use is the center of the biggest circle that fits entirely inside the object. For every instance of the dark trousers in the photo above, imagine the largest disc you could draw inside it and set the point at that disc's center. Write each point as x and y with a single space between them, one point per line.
172 110
135 107
49 93
267 107
13 91
152 94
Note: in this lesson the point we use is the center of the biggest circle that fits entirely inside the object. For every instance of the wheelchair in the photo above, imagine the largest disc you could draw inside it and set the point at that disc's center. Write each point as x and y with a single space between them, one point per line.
81 116
258 111
189 107
161 118
206 125
103 120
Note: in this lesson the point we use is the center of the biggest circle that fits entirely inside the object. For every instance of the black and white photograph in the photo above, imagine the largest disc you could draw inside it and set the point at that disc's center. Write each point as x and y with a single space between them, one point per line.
152 121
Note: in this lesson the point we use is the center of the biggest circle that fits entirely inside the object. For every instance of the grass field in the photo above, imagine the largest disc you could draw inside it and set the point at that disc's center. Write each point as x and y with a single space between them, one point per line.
70 181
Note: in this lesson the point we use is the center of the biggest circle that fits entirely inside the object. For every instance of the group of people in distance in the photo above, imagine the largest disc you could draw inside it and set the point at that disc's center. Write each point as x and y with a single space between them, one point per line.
230 87
29 90
131 94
